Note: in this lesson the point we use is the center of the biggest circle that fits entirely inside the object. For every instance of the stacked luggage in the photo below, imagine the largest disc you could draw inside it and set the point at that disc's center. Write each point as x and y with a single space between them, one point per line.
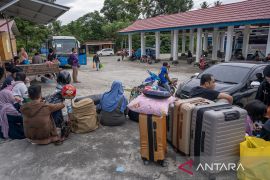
151 112
179 121
207 131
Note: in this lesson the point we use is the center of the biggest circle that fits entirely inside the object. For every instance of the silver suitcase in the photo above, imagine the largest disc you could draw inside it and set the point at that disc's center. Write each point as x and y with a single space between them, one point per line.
216 132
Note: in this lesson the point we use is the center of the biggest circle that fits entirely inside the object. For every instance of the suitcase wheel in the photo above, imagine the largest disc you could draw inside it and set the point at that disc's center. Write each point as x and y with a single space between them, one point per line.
145 161
162 163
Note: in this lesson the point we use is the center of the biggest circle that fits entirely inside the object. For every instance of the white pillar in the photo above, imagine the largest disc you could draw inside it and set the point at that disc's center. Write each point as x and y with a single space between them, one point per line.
129 45
214 44
199 44
222 43
142 44
229 45
191 41
184 41
268 43
171 44
246 41
175 45
218 41
205 41
157 34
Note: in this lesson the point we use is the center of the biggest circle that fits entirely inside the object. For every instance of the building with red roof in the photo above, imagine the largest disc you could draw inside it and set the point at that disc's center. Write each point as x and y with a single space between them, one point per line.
220 22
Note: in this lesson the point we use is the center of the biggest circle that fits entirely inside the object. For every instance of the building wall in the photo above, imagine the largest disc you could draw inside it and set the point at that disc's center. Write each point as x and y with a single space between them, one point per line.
5 48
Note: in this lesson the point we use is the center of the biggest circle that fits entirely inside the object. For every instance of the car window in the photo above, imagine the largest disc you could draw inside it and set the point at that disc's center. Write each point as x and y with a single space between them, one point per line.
254 77
228 74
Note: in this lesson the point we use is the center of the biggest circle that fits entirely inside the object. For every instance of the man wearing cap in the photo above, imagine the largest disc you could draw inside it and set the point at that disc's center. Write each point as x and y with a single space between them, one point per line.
263 93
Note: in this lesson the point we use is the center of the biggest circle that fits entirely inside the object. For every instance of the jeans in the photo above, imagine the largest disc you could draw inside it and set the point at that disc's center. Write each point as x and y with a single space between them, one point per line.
97 65
167 86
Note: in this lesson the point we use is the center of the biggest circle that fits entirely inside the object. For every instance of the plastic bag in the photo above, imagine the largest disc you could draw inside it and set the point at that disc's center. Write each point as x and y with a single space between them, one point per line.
255 159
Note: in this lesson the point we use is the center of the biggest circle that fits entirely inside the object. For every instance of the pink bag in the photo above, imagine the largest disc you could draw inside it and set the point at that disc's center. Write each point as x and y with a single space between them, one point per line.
145 105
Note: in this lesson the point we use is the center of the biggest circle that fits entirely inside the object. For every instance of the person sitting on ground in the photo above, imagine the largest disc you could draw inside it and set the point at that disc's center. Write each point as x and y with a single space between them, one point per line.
206 90
113 105
11 76
263 93
39 126
189 54
19 89
164 76
11 122
96 60
256 117
37 59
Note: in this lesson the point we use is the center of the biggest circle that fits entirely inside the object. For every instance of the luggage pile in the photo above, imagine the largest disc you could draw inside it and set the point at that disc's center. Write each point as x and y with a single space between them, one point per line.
206 131
151 110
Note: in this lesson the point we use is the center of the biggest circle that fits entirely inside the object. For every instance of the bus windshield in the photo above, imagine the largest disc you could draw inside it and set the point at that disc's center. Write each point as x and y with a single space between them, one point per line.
64 46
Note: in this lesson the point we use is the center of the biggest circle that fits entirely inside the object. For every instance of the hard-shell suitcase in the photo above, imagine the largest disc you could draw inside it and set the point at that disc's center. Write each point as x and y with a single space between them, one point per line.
216 132
153 138
180 122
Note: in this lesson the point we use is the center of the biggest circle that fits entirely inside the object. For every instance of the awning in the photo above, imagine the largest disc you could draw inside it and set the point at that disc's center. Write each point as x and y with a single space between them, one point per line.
37 11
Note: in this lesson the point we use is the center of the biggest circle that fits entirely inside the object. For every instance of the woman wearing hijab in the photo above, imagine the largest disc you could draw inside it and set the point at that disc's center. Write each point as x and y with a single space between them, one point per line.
11 122
113 105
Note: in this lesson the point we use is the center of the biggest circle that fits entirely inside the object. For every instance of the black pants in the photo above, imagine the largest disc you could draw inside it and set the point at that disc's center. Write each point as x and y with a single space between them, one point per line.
15 127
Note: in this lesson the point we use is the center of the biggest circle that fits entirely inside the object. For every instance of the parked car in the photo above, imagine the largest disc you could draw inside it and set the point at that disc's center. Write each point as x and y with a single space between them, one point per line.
105 52
241 80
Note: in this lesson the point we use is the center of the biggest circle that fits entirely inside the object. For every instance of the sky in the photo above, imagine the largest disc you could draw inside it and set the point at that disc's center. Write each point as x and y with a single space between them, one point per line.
81 7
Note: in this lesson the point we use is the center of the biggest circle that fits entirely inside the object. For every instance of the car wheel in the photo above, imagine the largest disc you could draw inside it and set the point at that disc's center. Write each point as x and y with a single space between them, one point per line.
111 54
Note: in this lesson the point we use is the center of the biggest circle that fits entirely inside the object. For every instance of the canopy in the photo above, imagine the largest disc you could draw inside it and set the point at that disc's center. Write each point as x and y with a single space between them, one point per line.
38 11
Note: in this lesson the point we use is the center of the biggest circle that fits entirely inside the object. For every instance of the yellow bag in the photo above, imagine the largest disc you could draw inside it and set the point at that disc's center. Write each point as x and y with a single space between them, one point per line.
255 158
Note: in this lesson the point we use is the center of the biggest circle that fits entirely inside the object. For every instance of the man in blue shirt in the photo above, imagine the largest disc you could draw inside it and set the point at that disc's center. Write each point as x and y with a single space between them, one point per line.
164 76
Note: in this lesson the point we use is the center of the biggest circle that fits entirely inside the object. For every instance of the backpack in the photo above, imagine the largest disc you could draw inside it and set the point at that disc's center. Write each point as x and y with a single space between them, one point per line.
70 60
83 116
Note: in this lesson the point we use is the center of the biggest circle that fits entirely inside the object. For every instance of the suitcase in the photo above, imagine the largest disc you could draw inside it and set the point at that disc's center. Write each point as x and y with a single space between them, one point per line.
153 138
216 132
181 120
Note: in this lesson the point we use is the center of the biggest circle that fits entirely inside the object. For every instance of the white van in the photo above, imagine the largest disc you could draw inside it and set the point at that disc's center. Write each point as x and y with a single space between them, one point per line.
105 52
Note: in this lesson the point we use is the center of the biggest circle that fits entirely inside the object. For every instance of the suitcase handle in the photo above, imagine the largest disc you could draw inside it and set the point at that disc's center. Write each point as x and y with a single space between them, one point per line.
231 115
220 108
201 103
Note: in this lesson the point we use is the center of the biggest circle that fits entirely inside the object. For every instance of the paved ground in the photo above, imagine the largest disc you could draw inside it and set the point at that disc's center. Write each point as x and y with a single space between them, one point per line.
96 155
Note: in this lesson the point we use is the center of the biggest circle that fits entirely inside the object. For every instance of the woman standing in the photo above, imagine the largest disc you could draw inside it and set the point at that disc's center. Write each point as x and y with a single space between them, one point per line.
75 65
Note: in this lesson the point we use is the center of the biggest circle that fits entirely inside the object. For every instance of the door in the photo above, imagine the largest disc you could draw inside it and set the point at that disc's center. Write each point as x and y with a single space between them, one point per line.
82 55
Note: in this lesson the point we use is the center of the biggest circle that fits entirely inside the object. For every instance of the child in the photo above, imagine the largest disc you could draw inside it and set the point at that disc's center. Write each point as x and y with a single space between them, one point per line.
39 126
256 117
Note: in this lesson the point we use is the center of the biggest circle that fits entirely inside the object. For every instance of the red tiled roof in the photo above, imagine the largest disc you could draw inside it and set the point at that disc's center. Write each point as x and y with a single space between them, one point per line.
244 12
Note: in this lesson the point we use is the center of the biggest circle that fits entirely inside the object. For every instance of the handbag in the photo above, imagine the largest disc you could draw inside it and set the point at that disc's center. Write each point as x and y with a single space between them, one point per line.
93 65
255 159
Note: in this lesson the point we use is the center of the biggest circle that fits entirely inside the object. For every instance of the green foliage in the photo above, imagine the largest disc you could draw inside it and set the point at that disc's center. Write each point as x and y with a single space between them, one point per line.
104 25
158 7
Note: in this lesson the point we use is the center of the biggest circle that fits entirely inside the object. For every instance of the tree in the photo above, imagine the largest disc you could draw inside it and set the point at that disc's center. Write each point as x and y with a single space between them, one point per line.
151 8
115 10
217 3
55 27
204 5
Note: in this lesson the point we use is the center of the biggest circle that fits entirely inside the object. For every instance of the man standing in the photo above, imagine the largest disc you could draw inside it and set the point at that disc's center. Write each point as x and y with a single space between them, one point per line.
263 93
75 65
96 60
164 76
206 90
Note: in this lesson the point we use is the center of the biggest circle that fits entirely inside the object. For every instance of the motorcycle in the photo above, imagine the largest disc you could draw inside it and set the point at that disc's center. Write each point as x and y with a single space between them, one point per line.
150 81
